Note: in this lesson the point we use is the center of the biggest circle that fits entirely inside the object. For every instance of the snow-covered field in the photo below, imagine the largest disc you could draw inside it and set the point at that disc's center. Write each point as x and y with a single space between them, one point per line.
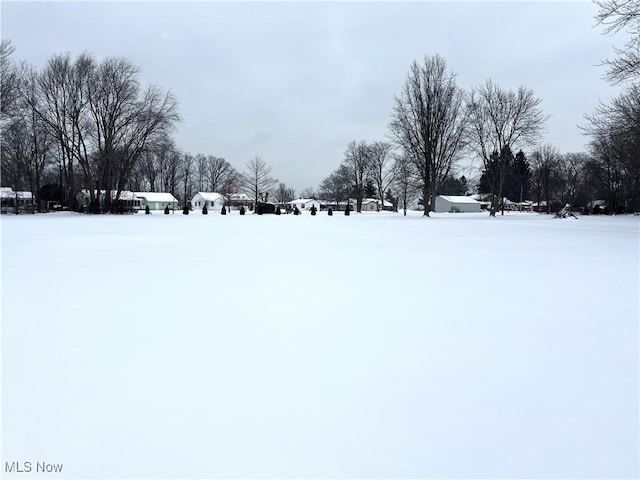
368 346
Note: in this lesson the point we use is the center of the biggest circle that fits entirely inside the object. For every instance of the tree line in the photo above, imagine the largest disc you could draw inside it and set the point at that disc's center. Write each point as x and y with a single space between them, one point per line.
83 123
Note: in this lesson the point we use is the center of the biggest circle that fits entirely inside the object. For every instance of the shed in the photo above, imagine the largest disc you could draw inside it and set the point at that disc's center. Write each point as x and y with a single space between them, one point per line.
456 204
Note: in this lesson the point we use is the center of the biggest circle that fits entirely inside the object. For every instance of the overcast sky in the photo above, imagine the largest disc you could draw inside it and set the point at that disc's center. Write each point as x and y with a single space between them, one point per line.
295 82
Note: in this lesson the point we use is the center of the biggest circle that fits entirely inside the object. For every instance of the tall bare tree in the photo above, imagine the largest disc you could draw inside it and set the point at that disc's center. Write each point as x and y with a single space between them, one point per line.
101 119
382 168
9 79
545 162
256 180
283 194
336 186
616 16
405 180
429 123
221 174
503 121
615 142
357 161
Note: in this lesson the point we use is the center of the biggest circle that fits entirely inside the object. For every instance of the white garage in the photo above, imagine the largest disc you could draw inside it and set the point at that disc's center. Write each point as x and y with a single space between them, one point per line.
456 204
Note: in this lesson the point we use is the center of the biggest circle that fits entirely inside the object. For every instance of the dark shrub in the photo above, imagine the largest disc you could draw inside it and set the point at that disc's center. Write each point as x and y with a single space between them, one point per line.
278 212
242 210
347 210
330 212
296 211
185 210
223 211
146 210
166 210
204 209
313 210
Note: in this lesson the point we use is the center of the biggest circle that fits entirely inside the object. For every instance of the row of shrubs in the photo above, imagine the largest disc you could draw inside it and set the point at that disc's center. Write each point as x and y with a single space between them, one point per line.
205 211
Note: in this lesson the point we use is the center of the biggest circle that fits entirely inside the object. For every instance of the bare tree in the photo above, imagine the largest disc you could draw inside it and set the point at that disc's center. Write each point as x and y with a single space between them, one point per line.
405 180
503 121
256 180
221 174
616 16
283 194
186 172
615 142
336 186
202 171
546 173
429 123
573 169
356 161
9 79
308 193
382 168
101 119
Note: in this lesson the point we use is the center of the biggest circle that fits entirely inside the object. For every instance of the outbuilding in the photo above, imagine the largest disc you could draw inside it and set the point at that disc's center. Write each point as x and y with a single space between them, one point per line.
456 204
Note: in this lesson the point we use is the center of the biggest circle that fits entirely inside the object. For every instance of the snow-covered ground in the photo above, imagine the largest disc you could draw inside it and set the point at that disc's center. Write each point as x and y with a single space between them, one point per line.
374 345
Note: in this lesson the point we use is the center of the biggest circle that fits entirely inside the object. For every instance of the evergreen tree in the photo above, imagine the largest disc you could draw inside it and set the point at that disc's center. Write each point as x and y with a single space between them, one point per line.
518 181
369 189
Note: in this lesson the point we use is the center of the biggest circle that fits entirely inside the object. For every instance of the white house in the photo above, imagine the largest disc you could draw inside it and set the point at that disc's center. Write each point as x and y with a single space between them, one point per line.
9 198
157 200
374 205
305 204
126 201
213 201
456 203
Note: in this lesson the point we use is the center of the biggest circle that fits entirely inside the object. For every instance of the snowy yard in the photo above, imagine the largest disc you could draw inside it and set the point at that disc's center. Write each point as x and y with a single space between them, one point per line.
368 346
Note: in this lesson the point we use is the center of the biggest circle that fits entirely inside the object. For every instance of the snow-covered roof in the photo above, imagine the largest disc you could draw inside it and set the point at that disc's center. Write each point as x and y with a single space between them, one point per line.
303 200
210 196
376 201
124 195
239 196
458 199
160 197
7 192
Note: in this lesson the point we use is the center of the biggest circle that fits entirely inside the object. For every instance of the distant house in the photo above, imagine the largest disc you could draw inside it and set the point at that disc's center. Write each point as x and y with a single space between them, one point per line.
125 202
305 203
235 201
10 200
213 201
541 207
456 204
374 205
157 200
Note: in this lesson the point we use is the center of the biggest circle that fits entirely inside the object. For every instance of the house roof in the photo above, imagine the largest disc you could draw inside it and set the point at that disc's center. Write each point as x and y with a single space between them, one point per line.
124 195
303 200
210 196
239 196
7 192
458 199
160 197
376 201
